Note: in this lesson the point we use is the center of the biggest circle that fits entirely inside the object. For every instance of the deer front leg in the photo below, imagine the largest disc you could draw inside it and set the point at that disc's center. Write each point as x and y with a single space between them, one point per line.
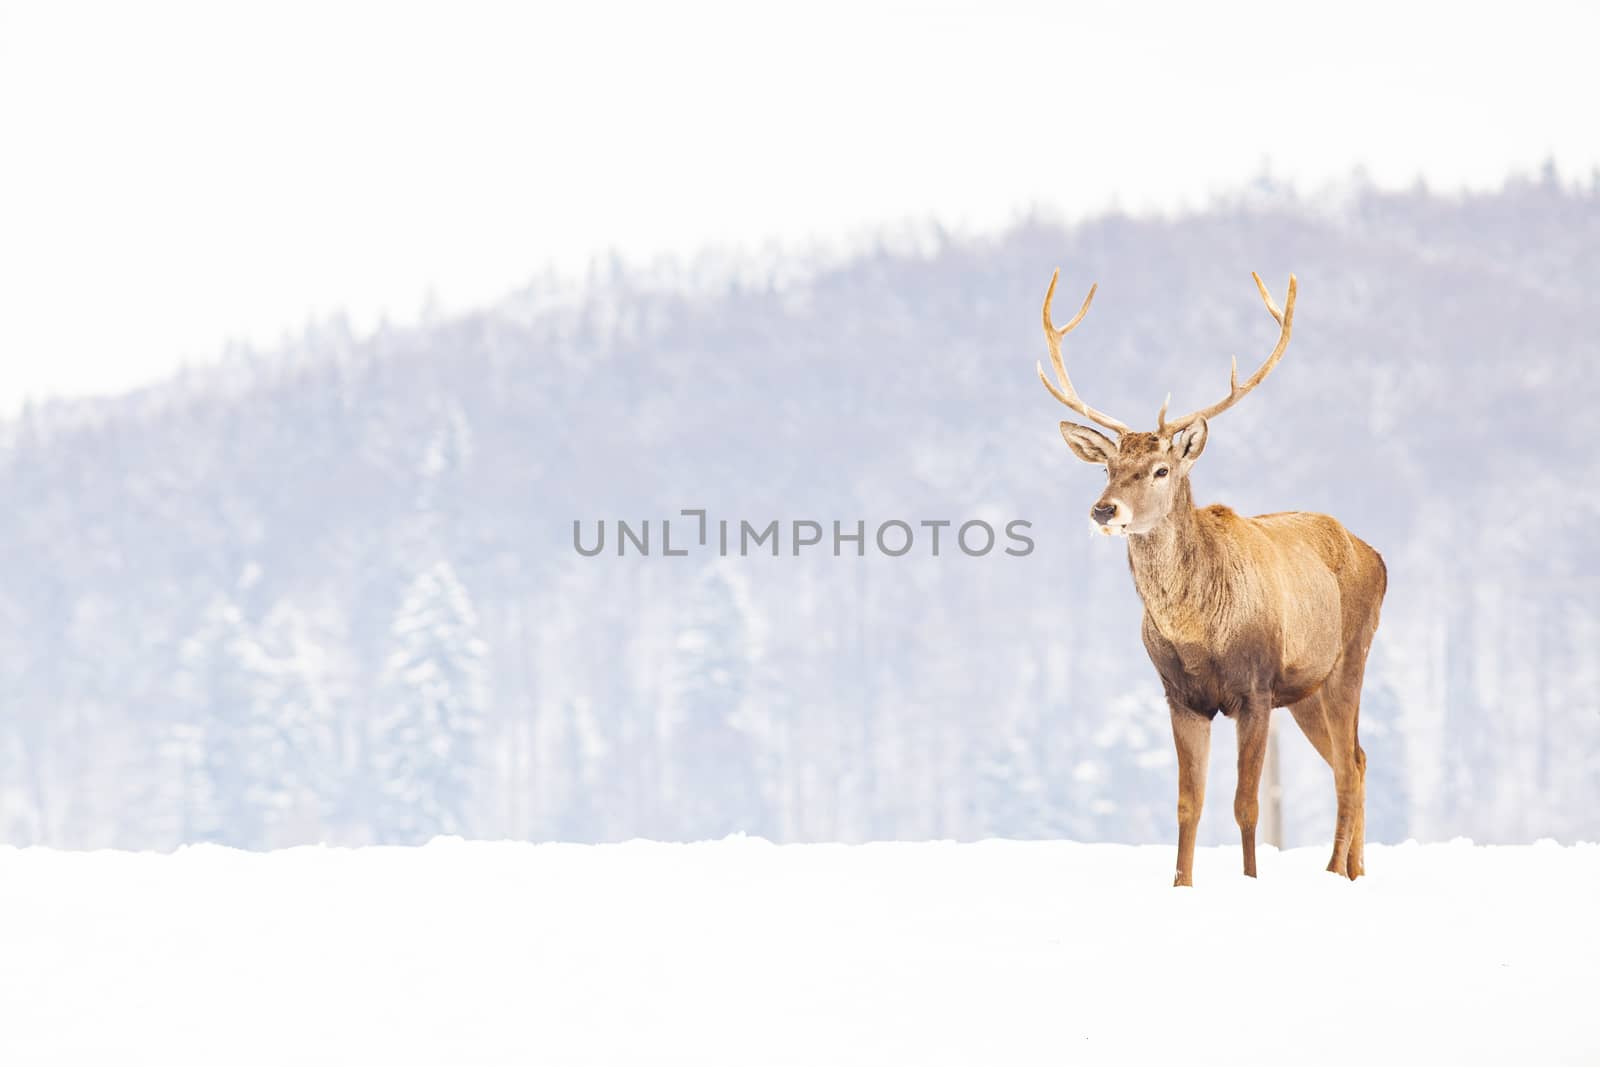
1253 719
1191 732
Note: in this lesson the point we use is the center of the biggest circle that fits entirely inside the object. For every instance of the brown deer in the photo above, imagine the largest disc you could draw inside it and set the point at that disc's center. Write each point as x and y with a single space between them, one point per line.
1240 615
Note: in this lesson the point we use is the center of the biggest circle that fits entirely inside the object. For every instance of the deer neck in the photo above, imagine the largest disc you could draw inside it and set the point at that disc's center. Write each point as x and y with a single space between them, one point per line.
1177 569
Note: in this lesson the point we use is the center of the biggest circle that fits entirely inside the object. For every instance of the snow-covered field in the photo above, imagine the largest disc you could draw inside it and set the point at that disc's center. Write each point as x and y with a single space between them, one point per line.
742 952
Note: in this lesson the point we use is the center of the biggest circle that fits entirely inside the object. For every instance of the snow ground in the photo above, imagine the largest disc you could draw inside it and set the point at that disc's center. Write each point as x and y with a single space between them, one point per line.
743 952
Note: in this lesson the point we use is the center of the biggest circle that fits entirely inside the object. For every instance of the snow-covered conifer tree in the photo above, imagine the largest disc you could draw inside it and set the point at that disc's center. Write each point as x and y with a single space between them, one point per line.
424 734
253 745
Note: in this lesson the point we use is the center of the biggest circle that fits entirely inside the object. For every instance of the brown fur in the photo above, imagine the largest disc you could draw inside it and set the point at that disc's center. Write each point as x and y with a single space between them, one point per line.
1243 615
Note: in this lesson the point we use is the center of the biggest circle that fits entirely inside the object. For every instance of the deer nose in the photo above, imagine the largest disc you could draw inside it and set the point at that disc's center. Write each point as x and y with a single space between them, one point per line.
1103 513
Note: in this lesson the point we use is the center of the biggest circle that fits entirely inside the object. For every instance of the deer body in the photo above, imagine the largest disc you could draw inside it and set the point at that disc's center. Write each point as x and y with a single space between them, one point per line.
1236 606
1242 615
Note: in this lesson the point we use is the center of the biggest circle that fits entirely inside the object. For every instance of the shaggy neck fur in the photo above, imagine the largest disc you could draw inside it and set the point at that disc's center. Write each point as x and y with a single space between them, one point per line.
1179 568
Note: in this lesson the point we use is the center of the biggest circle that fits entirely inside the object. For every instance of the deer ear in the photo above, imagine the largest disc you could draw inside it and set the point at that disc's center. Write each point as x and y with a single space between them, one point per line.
1091 446
1190 443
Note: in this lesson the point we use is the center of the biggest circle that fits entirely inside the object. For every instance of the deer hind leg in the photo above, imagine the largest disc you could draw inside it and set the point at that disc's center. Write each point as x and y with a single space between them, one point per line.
1356 865
1252 727
1328 719
1348 832
1191 732
1342 709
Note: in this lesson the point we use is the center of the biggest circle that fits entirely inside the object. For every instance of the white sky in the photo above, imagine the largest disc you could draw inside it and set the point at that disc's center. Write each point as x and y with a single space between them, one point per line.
174 175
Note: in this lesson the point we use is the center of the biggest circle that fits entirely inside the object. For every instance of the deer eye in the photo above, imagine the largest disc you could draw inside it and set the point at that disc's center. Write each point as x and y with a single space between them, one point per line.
1161 472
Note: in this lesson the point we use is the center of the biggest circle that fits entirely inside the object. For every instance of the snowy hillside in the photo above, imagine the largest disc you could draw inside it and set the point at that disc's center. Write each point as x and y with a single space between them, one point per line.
741 952
331 594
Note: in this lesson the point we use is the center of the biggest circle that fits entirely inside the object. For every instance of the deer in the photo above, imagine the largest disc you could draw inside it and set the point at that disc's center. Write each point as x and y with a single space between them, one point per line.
1241 615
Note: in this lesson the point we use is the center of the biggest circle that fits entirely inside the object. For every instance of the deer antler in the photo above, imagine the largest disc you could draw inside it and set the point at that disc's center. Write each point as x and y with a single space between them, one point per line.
1066 394
1236 392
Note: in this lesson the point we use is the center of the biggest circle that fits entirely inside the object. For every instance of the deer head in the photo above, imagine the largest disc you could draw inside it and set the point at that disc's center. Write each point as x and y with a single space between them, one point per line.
1146 473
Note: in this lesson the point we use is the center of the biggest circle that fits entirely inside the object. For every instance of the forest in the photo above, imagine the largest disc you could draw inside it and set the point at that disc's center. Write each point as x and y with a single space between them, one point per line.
331 592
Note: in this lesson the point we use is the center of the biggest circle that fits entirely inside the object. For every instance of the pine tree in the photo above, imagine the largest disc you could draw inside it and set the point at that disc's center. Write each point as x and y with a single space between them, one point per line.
253 747
424 736
212 737
291 720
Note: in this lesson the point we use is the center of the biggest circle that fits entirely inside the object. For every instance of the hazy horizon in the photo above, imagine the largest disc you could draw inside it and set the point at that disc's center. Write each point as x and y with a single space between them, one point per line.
190 177
705 270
